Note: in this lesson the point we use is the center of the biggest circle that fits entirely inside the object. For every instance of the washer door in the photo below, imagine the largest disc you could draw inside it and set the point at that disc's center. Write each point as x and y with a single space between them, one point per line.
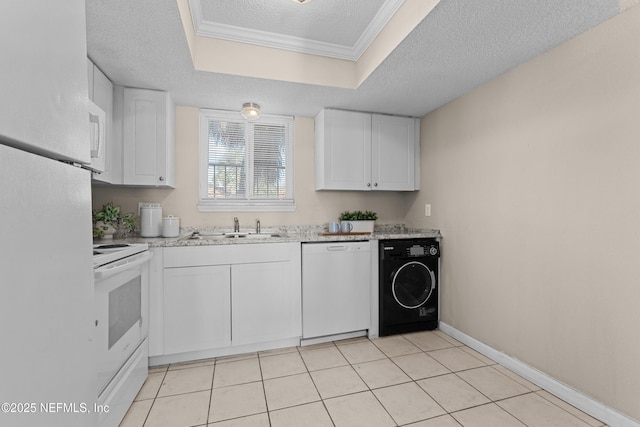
413 284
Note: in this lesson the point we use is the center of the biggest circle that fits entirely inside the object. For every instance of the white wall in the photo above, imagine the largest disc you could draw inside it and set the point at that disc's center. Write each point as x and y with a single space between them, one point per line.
534 180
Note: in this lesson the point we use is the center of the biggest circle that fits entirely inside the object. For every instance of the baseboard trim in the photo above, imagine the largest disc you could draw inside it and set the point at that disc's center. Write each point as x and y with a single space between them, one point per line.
581 401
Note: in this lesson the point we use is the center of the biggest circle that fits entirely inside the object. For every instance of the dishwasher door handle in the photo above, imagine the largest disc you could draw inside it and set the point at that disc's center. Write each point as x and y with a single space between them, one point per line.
336 248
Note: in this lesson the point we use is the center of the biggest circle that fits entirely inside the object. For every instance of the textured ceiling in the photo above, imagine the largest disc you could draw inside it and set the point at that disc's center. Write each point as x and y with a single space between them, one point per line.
458 46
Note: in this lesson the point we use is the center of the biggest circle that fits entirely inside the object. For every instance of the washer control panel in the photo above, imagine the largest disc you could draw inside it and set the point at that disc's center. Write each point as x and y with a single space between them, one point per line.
422 250
417 248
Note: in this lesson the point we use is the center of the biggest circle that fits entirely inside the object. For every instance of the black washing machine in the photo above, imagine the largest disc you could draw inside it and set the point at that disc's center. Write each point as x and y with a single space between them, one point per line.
408 285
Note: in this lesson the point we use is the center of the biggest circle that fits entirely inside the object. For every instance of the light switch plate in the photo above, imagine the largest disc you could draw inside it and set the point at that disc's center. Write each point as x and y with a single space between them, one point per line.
427 210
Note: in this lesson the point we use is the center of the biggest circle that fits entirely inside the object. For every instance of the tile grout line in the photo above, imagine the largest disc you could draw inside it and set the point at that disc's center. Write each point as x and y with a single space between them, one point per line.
155 397
264 390
211 393
315 385
558 406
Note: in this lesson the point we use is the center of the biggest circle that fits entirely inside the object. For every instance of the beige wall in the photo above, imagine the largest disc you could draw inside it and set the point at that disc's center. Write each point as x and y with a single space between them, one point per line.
313 207
534 180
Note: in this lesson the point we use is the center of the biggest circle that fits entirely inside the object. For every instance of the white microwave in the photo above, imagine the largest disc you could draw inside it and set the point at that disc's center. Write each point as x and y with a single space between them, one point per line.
98 123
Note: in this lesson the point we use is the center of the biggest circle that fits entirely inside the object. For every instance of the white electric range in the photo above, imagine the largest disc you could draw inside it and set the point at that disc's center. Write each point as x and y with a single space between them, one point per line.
121 280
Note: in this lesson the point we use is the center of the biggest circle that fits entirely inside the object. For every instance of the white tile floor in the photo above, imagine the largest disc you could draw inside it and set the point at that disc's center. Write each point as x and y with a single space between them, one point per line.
424 379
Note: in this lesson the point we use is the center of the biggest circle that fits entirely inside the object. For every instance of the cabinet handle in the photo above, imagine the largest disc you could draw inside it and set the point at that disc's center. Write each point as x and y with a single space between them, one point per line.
375 185
368 184
161 178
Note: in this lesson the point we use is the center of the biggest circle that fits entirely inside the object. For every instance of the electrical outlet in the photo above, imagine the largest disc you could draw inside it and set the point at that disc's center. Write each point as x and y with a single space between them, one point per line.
427 210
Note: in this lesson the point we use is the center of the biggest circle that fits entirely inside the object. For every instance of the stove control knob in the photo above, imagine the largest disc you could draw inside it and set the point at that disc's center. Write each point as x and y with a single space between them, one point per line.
433 250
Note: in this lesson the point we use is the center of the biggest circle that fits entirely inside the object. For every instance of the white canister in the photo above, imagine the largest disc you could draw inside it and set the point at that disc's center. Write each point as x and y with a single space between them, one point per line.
150 220
170 226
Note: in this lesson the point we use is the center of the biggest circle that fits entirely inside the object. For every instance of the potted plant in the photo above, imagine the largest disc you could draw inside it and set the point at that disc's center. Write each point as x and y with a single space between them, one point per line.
109 220
361 222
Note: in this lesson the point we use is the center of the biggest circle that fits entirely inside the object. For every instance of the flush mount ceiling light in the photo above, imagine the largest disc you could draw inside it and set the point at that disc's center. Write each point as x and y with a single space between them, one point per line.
301 1
250 111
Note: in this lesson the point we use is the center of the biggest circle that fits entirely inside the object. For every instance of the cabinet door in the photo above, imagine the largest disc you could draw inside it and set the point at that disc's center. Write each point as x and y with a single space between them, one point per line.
393 153
149 138
264 303
196 308
343 150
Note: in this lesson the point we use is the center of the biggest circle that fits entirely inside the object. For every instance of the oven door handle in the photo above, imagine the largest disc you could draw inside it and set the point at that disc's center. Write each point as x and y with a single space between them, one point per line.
107 271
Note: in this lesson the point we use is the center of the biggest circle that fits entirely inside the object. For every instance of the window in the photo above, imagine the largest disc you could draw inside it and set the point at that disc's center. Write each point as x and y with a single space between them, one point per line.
245 165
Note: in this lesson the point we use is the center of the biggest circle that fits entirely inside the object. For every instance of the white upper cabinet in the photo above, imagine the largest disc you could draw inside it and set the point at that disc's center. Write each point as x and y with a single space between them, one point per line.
362 151
140 133
148 136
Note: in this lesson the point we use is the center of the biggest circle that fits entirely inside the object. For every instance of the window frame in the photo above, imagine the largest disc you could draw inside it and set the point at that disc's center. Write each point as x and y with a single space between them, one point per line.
209 204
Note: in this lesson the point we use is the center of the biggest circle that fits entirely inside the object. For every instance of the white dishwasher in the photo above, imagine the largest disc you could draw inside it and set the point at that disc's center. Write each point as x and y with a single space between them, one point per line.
336 288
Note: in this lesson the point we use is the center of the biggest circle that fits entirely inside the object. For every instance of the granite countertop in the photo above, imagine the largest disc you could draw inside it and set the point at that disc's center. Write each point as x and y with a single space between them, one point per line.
314 233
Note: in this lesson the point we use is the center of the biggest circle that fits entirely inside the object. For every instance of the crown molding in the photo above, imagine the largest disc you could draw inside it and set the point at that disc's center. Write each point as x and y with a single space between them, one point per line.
296 44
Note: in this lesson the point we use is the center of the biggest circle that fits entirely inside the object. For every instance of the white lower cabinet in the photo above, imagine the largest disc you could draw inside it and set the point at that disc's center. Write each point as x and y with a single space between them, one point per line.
212 299
197 315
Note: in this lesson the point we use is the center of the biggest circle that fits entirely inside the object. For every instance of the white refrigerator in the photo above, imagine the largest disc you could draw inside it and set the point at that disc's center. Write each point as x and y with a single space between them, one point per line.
47 371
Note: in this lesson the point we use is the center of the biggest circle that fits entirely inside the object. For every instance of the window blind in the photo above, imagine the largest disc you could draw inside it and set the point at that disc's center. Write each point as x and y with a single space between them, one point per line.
270 162
226 172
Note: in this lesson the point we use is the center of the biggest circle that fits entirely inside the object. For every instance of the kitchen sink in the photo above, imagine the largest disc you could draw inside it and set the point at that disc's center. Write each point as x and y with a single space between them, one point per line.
233 235
252 235
236 234
262 236
196 235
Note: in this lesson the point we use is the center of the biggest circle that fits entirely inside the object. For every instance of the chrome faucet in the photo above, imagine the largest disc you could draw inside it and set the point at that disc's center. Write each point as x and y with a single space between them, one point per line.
258 226
236 225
